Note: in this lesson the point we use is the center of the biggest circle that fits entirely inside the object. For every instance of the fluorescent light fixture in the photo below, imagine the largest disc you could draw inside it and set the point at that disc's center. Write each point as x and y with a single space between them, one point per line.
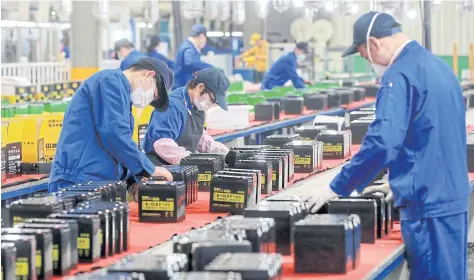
214 34
354 8
298 3
150 25
31 24
329 6
141 24
411 14
237 34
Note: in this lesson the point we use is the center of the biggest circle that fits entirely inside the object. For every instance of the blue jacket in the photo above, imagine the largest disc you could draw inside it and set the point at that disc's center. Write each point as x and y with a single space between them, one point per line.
282 70
169 124
188 61
132 58
96 138
171 64
419 134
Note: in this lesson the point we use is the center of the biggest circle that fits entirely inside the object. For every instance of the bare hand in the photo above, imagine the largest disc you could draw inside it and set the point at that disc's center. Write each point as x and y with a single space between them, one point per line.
385 189
162 172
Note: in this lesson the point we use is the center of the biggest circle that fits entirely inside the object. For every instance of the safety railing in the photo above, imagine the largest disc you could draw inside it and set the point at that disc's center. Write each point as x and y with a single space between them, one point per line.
39 73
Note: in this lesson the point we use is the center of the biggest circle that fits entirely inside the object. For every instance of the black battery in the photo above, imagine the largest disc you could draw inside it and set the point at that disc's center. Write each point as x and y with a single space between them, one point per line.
276 108
276 175
44 249
161 202
108 227
359 129
104 191
252 176
383 220
181 174
110 188
35 168
87 238
308 155
78 197
8 260
315 101
370 90
310 132
251 147
194 171
67 203
265 111
359 93
219 157
359 114
291 198
25 262
6 217
278 141
207 166
278 101
291 159
330 125
285 215
74 233
258 175
293 105
347 96
118 189
370 109
470 152
206 251
336 144
277 169
152 266
200 275
334 99
33 208
251 266
366 209
236 154
265 167
231 194
324 244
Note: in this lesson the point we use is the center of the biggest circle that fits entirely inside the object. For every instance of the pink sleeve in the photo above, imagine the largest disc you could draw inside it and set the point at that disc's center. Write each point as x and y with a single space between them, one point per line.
207 144
170 151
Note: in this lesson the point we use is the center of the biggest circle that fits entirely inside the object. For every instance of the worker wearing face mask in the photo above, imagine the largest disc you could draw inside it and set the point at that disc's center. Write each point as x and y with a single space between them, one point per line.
419 134
126 52
153 51
284 69
188 57
179 131
96 143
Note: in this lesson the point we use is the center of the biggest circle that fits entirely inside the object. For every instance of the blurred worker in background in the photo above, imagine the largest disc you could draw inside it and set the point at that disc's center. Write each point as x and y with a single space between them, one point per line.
256 57
126 53
419 134
284 69
153 51
96 138
179 131
188 57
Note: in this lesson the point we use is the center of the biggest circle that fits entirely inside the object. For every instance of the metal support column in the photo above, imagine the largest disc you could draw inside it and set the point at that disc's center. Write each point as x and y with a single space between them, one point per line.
427 24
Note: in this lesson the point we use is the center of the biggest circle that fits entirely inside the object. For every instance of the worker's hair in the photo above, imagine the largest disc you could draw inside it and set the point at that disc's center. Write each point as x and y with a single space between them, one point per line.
145 66
194 83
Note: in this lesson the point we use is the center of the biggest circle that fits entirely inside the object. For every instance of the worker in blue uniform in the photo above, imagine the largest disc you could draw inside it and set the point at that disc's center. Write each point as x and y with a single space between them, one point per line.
96 143
153 51
180 130
126 52
188 57
419 134
284 69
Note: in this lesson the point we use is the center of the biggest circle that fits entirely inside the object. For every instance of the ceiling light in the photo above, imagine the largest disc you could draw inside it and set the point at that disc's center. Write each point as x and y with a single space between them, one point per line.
411 14
298 3
329 6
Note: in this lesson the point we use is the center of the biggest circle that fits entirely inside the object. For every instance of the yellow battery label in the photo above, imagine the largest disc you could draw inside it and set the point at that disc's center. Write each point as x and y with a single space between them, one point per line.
229 197
39 259
302 160
17 220
204 177
55 253
22 267
332 148
264 180
157 205
274 176
83 243
101 237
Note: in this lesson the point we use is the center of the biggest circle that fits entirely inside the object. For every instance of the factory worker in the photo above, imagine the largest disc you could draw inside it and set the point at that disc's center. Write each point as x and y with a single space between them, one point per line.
188 57
256 56
419 134
127 53
153 51
284 69
96 143
179 131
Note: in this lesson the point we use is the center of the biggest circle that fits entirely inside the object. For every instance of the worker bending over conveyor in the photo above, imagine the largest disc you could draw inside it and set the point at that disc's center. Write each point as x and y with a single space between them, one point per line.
96 143
284 69
153 51
180 130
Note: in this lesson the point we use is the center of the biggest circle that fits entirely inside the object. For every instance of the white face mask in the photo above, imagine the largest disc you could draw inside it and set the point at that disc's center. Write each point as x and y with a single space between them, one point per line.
203 103
141 97
301 57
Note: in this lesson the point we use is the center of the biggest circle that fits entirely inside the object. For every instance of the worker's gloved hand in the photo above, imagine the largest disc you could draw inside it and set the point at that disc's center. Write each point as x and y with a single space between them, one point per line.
162 172
385 189
308 82
322 195
133 191
170 151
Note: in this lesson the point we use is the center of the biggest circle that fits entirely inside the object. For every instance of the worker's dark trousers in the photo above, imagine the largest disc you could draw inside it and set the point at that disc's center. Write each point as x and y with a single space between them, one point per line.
258 76
436 248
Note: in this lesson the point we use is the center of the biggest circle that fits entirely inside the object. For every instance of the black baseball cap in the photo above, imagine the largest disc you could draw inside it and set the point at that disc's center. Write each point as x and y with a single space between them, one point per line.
215 80
198 29
123 43
384 26
302 46
164 81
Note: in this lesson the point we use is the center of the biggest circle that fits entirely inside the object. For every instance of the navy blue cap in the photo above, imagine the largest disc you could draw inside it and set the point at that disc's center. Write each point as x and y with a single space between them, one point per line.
198 29
215 80
154 40
303 46
384 26
167 80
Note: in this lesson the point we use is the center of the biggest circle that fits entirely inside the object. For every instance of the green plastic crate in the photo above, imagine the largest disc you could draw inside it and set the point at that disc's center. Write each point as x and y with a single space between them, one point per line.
233 98
236 86
36 108
8 111
21 109
56 107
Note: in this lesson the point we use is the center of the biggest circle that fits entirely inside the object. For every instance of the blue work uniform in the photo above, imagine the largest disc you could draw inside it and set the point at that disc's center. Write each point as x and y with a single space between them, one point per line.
188 61
171 64
96 143
132 58
419 134
283 70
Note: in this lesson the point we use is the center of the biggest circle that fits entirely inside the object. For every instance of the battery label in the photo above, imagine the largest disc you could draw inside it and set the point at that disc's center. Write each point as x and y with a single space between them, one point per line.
17 220
55 253
204 177
332 148
302 160
157 206
39 260
274 176
263 179
228 197
22 267
83 243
